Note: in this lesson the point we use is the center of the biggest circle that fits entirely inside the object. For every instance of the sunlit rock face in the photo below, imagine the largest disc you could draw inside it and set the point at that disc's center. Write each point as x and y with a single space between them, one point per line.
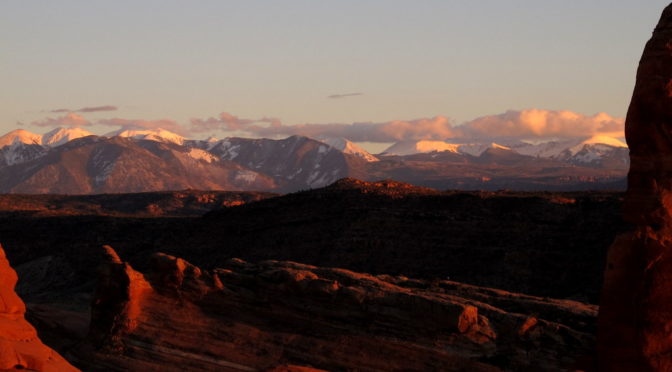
20 347
635 321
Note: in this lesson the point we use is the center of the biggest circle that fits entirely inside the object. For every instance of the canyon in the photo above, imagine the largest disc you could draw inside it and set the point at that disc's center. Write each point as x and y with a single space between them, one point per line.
274 281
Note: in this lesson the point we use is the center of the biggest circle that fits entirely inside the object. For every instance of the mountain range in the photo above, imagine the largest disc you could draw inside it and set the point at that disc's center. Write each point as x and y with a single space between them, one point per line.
74 161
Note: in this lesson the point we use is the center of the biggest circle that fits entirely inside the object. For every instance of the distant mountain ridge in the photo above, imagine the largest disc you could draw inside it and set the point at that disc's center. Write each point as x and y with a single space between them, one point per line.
74 161
581 151
56 137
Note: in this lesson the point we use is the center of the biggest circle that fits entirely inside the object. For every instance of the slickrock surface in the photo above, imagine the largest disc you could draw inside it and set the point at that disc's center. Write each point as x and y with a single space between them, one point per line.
20 347
285 316
635 319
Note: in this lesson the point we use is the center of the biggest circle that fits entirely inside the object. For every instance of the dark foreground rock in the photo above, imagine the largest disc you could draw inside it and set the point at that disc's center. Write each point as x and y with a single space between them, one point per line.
543 244
286 316
636 312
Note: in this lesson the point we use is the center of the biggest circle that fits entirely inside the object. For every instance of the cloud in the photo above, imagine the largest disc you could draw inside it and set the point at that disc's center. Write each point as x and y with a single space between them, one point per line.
228 122
72 119
167 124
432 128
535 123
87 109
525 124
337 96
98 108
69 120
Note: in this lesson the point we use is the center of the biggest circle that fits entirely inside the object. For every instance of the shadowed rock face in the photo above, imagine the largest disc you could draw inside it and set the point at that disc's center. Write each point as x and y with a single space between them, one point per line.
648 131
286 316
20 348
635 319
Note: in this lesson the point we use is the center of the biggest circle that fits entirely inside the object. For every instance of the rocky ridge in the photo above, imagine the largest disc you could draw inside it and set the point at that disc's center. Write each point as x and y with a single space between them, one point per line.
184 203
245 317
73 161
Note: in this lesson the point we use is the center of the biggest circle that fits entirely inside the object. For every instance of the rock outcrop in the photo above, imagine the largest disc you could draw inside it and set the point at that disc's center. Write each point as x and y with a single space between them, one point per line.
635 321
286 316
20 347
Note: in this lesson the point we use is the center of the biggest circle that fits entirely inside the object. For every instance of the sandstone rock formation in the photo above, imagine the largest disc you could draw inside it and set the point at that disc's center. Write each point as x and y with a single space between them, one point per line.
20 347
635 321
285 316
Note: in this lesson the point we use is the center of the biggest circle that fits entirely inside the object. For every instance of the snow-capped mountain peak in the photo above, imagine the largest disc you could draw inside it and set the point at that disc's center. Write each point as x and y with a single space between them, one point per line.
20 135
348 147
597 142
158 135
425 146
476 149
60 136
416 147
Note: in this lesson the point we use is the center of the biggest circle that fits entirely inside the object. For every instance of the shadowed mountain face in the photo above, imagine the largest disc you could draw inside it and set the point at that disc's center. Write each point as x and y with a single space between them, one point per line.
294 163
97 165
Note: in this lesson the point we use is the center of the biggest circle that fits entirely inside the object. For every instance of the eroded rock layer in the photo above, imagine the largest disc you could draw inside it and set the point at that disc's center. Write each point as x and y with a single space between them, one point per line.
20 347
285 316
635 321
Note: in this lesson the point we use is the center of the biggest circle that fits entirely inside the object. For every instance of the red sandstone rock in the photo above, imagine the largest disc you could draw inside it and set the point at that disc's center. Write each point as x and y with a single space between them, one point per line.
20 348
635 320
647 129
293 368
117 301
285 316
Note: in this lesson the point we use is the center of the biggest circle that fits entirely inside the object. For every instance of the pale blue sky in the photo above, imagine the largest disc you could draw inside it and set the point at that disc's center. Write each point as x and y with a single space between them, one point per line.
409 59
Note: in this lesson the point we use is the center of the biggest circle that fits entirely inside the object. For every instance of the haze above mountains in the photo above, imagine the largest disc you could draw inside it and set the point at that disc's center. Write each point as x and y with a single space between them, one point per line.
72 160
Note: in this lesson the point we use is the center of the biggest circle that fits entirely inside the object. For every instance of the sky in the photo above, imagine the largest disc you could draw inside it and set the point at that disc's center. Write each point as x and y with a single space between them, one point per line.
246 67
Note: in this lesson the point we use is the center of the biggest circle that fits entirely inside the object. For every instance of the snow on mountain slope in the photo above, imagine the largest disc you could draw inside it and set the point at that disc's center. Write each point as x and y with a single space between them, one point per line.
22 136
103 165
597 151
600 141
594 152
348 147
158 135
295 162
19 152
61 136
549 149
554 149
199 154
476 149
416 147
